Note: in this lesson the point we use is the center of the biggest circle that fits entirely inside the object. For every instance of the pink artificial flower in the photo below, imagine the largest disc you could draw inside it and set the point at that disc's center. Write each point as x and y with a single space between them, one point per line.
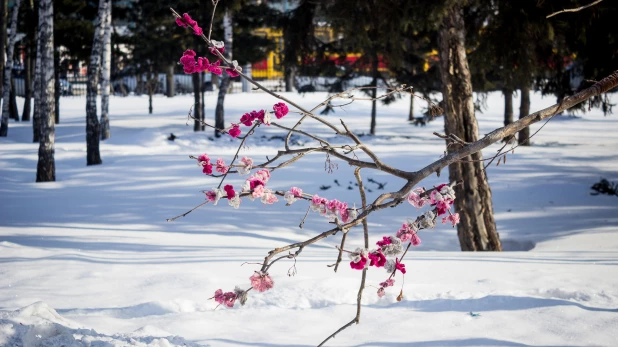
333 205
296 191
269 197
316 200
381 292
246 119
377 258
454 219
189 69
197 30
188 58
439 188
360 264
388 283
264 174
204 158
386 240
281 109
415 199
229 189
442 206
233 73
400 266
188 19
235 131
345 215
258 115
247 161
215 69
181 23
258 191
214 50
211 195
415 240
221 166
202 64
228 299
207 169
254 182
261 281
405 233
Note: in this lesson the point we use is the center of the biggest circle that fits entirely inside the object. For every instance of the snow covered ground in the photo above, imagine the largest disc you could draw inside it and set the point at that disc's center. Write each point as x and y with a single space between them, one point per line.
89 260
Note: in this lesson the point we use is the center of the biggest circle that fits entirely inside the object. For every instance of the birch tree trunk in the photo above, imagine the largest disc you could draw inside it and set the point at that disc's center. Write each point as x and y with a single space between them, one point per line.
46 167
28 69
411 112
106 64
3 26
477 229
8 67
36 107
524 111
93 129
228 37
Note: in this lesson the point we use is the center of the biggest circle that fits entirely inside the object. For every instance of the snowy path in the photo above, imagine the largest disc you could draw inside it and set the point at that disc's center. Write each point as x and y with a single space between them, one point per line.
94 252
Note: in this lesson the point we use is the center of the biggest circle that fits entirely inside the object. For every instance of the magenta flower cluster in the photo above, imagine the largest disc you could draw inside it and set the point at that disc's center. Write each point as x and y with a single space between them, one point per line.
260 281
204 161
441 199
332 208
187 21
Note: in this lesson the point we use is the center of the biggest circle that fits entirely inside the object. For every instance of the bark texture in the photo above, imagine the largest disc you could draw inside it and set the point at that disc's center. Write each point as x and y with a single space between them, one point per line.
225 79
46 167
374 92
524 111
477 229
36 91
3 26
30 52
411 112
93 128
508 106
8 67
106 63
197 103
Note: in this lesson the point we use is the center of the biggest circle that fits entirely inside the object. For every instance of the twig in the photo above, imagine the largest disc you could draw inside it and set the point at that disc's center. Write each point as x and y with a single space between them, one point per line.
359 296
186 213
574 9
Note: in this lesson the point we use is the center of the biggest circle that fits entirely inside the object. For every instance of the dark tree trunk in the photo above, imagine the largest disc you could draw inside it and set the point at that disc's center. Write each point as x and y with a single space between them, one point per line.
14 112
508 106
4 13
197 103
202 77
25 116
57 84
411 113
374 93
225 79
524 110
46 166
8 78
169 76
93 129
477 229
150 102
290 72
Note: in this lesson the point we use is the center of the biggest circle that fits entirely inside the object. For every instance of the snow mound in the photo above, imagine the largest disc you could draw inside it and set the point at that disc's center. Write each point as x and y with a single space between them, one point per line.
39 325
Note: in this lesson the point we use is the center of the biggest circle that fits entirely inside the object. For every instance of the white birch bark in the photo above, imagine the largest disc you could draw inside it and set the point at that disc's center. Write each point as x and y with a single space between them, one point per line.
46 167
8 67
105 74
93 133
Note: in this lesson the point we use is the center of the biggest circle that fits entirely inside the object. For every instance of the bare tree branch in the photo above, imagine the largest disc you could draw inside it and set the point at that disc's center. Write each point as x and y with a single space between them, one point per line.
574 9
